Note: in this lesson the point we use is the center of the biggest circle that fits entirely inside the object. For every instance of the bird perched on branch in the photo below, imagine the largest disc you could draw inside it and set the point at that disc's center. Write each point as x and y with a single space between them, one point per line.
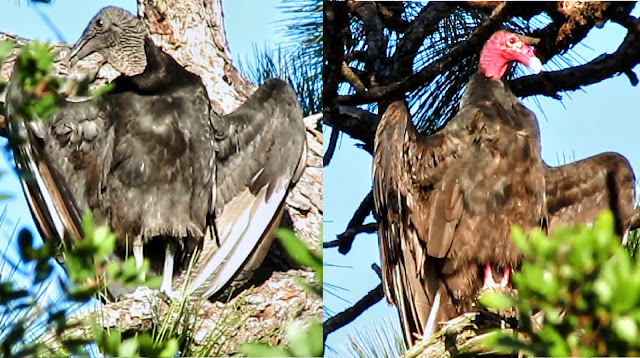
445 203
155 163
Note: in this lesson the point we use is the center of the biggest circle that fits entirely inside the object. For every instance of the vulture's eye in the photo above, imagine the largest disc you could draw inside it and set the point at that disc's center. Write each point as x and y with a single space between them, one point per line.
512 41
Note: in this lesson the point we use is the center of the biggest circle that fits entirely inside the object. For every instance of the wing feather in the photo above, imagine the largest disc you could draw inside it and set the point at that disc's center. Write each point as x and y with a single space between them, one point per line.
51 202
413 234
578 191
260 153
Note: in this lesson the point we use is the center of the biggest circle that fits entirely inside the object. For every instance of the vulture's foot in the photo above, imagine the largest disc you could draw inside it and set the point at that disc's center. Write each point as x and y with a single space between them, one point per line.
170 294
143 293
138 255
166 287
490 284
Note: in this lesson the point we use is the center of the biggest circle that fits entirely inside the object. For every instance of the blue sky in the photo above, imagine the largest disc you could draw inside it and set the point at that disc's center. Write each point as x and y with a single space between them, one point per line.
68 19
603 117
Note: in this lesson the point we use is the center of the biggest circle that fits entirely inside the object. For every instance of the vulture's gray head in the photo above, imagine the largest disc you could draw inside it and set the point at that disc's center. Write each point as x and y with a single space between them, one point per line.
118 36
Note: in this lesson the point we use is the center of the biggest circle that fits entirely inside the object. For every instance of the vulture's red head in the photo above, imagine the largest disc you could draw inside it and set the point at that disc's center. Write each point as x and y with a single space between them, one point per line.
502 48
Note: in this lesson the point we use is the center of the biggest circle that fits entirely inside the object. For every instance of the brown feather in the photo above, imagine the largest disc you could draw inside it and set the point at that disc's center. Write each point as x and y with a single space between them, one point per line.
580 190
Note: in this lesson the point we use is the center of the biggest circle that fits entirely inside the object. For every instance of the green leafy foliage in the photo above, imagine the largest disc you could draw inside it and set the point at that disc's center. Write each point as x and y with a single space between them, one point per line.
33 70
142 345
302 341
583 284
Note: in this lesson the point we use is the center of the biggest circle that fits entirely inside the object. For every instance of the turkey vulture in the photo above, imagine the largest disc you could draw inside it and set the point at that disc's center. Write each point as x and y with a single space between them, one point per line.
154 162
445 203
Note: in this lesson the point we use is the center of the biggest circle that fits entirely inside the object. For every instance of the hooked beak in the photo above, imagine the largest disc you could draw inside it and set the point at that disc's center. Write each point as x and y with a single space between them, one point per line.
535 65
83 48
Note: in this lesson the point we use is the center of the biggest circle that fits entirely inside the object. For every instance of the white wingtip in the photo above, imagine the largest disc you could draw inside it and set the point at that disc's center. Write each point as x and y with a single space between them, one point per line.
535 65
431 321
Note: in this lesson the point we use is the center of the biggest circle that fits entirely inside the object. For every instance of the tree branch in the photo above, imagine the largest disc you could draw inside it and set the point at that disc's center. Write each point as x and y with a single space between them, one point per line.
334 22
550 83
355 224
347 316
374 32
425 24
358 229
357 123
331 147
427 74
575 20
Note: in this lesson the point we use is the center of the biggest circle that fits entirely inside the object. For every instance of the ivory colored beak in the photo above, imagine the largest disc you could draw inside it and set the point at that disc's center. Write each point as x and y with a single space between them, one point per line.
535 65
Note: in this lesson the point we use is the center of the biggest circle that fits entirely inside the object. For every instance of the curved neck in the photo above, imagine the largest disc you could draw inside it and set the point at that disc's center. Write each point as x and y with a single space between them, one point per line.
161 73
492 65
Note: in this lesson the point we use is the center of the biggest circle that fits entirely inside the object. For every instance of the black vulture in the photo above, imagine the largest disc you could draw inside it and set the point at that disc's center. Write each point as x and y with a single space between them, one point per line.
445 203
153 161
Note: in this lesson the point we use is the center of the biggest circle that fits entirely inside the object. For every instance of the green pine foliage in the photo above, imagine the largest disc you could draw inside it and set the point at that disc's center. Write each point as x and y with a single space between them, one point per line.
297 61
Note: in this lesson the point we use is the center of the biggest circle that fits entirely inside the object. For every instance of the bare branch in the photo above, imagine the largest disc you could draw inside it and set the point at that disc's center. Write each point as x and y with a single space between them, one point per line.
353 79
424 25
606 66
377 269
335 21
359 229
331 148
427 74
374 32
347 316
355 224
357 123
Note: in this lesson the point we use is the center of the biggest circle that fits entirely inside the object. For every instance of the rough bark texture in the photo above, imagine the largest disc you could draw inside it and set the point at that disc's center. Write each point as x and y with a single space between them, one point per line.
192 31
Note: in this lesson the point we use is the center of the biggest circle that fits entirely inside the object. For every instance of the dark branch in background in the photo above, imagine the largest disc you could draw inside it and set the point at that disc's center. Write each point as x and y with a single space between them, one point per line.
427 74
391 15
425 24
358 229
606 66
331 147
357 123
374 32
347 316
377 269
572 22
355 224
335 21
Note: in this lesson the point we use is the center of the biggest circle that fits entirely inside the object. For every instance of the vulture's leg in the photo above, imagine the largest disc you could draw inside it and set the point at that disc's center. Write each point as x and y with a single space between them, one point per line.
167 273
506 275
489 284
138 255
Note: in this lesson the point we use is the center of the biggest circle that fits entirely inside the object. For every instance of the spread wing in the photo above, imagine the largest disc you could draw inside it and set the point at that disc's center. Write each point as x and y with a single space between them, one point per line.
49 194
260 152
412 232
580 190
